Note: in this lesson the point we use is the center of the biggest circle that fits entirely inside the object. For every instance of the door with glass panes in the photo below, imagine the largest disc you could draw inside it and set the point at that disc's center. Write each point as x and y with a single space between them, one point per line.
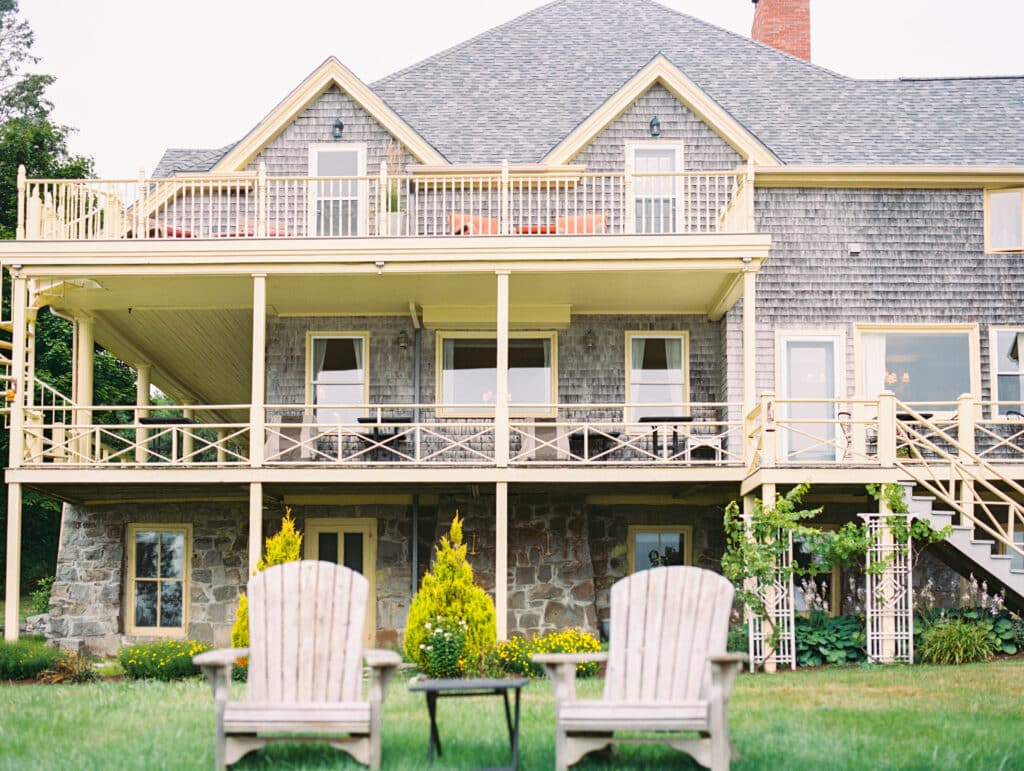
352 543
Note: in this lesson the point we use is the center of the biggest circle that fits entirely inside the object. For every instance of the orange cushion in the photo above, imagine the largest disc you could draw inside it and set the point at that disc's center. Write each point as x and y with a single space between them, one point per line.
585 223
472 225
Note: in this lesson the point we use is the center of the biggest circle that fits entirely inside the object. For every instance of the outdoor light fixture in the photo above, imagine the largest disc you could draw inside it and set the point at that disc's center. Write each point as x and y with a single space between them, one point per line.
403 340
655 127
589 341
339 126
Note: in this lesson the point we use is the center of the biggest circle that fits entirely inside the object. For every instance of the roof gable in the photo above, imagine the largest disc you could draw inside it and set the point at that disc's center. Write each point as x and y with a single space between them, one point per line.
331 73
661 71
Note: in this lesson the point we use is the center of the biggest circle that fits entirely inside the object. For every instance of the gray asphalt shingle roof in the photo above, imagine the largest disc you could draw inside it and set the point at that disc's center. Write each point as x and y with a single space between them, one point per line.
517 90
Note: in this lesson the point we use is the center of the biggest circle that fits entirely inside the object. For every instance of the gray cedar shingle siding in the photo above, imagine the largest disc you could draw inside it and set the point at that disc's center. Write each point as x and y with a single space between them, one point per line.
922 262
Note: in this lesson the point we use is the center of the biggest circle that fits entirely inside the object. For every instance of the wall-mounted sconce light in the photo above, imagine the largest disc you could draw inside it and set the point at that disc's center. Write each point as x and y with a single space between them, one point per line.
655 127
339 126
473 551
403 340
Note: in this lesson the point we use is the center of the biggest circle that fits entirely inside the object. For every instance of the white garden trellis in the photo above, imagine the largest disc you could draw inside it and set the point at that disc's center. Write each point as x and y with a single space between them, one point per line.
889 597
778 604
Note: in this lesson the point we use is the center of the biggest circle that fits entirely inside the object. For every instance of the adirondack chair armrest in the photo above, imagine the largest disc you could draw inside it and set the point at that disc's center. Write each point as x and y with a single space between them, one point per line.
724 668
561 668
382 664
216 664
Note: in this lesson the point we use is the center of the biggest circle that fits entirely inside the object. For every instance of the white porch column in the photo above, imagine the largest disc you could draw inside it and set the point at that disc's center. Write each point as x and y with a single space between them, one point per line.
501 558
16 438
255 526
749 339
13 559
141 400
257 413
501 411
187 437
84 377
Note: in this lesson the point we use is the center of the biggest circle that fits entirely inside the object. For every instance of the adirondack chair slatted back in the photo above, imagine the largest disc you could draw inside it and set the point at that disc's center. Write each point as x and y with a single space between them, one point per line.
665 622
306 623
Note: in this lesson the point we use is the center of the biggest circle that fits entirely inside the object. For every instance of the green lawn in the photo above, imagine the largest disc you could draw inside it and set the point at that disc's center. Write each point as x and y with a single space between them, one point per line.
922 717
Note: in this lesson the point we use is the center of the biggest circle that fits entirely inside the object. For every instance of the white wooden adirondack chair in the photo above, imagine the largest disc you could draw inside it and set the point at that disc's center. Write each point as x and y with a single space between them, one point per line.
306 656
668 672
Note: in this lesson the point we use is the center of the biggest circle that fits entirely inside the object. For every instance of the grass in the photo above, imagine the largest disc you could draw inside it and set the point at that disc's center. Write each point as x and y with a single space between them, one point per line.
921 717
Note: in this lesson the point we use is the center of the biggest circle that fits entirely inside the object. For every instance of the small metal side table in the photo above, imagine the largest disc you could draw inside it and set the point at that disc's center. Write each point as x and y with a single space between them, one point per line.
474 687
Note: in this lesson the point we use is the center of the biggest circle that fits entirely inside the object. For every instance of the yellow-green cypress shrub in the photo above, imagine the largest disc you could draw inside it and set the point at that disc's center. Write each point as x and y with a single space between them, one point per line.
448 592
283 546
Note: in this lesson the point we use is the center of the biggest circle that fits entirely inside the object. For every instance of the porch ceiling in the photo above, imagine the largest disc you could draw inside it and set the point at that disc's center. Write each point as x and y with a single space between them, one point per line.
195 330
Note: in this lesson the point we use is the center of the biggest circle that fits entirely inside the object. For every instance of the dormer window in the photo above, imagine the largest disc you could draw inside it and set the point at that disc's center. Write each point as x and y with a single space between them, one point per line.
1004 220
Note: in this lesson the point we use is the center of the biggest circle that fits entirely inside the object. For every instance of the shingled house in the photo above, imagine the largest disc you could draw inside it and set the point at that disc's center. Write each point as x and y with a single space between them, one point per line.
584 278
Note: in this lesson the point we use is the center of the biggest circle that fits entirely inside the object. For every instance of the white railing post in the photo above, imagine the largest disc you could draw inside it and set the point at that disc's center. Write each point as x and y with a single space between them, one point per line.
629 208
967 409
261 201
382 199
33 218
505 202
887 428
140 203
20 231
769 436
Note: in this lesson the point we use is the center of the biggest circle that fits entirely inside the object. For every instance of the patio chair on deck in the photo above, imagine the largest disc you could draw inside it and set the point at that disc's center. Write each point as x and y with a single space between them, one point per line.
306 654
668 672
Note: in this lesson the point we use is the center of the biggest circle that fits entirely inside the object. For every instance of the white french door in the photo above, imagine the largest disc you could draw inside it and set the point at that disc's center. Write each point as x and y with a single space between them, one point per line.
809 374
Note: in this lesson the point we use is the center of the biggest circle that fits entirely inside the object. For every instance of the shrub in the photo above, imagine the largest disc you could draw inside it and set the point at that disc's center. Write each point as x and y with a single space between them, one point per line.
26 658
448 592
70 668
824 640
39 600
955 641
737 641
1002 628
162 660
516 652
443 647
283 546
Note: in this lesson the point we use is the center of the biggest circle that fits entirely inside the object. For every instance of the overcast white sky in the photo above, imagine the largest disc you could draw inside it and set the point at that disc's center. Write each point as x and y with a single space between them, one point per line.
137 76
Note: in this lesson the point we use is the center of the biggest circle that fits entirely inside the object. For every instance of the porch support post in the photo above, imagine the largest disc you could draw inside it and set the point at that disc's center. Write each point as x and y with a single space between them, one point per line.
16 438
30 356
255 525
501 558
187 437
501 410
749 335
13 560
257 413
141 401
84 376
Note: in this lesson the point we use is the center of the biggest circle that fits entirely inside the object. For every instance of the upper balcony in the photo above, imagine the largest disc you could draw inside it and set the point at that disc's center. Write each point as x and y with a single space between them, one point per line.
494 201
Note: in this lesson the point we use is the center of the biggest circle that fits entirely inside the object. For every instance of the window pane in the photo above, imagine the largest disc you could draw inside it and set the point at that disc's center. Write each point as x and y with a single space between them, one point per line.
923 369
172 555
354 551
659 549
327 547
1005 226
647 553
147 554
145 603
469 372
170 603
1007 358
1009 391
337 163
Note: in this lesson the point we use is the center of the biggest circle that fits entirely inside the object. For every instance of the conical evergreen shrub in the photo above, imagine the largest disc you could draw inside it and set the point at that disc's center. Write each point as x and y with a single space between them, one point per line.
449 593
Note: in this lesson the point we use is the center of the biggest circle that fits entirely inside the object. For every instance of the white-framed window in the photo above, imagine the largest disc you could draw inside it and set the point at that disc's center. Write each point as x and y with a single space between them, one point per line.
1004 220
1007 350
656 198
652 546
159 566
928 367
337 375
337 207
657 374
467 372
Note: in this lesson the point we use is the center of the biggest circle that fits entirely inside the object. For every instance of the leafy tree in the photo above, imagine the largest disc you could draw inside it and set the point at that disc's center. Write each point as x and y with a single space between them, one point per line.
29 137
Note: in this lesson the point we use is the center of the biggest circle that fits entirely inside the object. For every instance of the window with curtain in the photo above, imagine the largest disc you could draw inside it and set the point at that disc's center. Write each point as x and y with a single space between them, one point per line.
921 368
469 372
1009 374
657 375
338 378
158 557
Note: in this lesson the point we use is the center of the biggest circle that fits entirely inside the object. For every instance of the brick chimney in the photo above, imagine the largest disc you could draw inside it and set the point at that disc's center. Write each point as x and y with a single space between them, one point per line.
785 25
